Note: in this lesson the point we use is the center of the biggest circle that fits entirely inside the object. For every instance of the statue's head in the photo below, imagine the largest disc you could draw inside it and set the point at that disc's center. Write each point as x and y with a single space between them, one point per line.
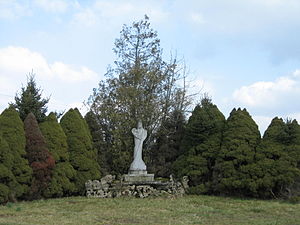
140 125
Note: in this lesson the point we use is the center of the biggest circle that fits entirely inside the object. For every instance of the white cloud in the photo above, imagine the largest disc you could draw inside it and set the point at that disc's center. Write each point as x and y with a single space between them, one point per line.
19 61
11 9
269 93
58 6
268 99
68 73
60 80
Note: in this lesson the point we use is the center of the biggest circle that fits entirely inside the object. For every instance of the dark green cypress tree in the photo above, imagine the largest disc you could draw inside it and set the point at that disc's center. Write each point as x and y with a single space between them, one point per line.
278 159
269 155
293 151
83 156
62 182
293 142
167 147
104 157
236 160
39 157
201 145
12 129
7 179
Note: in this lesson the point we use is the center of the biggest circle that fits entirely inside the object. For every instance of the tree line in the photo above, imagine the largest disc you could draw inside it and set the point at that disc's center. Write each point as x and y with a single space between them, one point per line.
47 156
229 157
44 160
220 156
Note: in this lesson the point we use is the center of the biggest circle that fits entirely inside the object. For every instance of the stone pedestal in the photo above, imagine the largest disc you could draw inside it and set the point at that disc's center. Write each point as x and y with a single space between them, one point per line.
138 176
137 172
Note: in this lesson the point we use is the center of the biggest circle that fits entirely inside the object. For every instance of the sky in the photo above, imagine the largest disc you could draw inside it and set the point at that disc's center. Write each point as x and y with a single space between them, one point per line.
242 53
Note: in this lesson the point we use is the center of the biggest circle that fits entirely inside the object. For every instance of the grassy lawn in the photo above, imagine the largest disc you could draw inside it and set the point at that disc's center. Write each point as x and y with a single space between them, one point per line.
185 210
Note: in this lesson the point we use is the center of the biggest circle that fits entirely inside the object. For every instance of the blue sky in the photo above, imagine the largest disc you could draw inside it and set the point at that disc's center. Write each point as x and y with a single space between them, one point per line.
243 53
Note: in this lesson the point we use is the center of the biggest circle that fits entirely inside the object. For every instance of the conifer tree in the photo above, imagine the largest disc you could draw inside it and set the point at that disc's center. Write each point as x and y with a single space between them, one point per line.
62 182
293 142
83 156
167 148
12 129
235 163
30 100
7 179
278 159
41 161
201 145
268 157
104 157
293 150
140 86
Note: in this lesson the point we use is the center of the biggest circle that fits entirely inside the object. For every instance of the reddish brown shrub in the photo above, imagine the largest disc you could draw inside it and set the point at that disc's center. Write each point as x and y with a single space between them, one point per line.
40 159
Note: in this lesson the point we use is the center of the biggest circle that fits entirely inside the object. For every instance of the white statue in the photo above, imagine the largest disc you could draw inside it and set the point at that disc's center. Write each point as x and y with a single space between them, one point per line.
140 135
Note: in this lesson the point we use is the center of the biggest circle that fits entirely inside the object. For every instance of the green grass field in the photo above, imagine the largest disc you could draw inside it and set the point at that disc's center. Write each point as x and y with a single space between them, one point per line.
185 210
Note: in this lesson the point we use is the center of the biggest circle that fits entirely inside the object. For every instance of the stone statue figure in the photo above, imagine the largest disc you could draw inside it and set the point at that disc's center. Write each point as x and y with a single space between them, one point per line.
140 135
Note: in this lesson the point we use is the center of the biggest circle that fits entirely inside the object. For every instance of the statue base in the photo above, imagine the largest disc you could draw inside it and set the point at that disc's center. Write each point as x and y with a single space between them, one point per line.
137 172
138 176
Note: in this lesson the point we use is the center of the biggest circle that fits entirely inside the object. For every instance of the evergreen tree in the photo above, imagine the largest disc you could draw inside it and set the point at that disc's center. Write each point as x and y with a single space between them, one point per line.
7 179
30 100
236 160
62 182
12 129
293 142
41 161
278 158
82 155
293 150
201 145
167 148
104 156
141 86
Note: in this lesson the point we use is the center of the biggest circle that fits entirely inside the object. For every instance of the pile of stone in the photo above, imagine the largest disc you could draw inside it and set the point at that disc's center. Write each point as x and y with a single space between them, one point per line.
102 188
110 187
